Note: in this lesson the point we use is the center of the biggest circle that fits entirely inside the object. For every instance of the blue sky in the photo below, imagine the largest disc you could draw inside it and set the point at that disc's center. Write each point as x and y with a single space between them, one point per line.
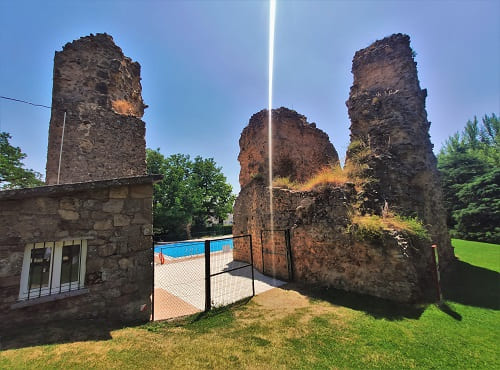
204 64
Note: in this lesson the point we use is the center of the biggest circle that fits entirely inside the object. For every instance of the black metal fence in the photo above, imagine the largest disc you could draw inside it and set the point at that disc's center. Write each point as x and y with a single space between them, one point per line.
195 276
276 253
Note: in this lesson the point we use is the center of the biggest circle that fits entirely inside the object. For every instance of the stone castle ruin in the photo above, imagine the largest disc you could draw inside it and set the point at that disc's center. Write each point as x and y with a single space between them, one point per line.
80 247
100 91
395 174
292 132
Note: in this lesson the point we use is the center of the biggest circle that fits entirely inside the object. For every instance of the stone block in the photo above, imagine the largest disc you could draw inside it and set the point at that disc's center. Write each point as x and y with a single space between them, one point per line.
68 215
118 192
92 204
141 218
94 263
141 191
103 225
71 204
121 220
100 194
113 206
147 230
106 249
125 263
42 205
133 205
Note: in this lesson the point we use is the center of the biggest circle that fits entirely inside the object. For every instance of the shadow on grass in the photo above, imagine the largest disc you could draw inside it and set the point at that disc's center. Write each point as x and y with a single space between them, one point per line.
472 286
444 307
55 332
221 316
376 307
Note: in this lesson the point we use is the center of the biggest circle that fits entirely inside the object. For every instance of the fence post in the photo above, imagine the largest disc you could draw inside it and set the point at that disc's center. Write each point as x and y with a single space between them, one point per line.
251 262
289 254
208 290
153 285
435 265
262 250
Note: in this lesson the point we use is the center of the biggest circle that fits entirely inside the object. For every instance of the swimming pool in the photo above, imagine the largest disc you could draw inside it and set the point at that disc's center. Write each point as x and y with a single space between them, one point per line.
184 249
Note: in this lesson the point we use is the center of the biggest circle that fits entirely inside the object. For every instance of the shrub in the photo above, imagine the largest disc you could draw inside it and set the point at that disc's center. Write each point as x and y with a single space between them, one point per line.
356 166
372 227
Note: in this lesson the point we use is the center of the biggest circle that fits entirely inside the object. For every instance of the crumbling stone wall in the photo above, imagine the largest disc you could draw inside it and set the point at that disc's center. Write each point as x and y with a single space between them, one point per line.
387 110
299 148
114 216
323 251
100 91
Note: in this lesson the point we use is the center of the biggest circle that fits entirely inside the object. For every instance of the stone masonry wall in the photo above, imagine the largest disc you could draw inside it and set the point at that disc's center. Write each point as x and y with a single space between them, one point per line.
100 90
116 219
323 251
387 111
299 148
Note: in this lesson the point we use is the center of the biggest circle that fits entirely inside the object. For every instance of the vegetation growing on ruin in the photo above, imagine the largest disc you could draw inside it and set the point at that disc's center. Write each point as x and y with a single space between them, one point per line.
123 107
284 183
356 171
356 166
373 227
330 175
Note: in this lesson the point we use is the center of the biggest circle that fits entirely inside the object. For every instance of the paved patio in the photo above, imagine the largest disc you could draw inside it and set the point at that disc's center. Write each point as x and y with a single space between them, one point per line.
180 284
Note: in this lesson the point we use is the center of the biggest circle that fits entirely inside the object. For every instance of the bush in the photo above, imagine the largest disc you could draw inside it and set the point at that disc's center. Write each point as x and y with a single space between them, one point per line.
372 227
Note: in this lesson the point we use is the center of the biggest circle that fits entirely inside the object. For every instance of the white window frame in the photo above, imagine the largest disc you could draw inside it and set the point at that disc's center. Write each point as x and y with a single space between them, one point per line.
54 287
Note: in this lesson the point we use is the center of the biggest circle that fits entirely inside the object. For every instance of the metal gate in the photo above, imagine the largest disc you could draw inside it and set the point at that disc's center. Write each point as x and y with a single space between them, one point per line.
276 254
195 276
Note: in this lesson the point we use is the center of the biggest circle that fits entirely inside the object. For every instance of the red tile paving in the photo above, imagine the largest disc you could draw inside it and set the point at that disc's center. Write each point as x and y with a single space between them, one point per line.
168 306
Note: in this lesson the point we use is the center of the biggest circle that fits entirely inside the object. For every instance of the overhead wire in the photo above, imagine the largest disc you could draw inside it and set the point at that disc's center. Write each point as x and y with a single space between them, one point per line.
25 102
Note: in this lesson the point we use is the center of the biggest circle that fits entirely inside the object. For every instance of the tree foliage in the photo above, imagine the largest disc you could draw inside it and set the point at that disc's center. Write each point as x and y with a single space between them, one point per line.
469 164
12 171
191 193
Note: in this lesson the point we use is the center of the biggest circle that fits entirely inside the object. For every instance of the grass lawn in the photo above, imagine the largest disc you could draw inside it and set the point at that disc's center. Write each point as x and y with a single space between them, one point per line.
295 327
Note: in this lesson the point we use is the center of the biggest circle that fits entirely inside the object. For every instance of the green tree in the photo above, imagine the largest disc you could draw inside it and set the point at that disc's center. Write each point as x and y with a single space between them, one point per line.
479 218
214 194
469 167
190 193
12 171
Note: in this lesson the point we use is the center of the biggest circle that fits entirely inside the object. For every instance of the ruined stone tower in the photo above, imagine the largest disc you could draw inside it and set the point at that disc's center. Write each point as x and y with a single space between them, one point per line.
299 148
387 110
315 236
100 91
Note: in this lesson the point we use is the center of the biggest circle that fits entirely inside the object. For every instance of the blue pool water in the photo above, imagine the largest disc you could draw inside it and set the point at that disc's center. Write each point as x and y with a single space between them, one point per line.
184 249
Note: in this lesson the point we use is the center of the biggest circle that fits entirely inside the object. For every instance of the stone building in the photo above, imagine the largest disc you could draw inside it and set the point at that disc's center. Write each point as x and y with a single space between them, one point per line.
80 250
387 111
81 246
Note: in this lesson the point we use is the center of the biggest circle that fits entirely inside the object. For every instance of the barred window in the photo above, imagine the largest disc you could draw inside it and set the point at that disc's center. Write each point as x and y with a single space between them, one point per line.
52 268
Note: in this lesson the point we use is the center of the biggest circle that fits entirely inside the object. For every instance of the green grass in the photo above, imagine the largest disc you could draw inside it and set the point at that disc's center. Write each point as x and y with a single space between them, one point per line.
295 327
479 254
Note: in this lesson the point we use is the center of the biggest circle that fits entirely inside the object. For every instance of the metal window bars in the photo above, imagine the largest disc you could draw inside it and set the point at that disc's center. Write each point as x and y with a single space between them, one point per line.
48 259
